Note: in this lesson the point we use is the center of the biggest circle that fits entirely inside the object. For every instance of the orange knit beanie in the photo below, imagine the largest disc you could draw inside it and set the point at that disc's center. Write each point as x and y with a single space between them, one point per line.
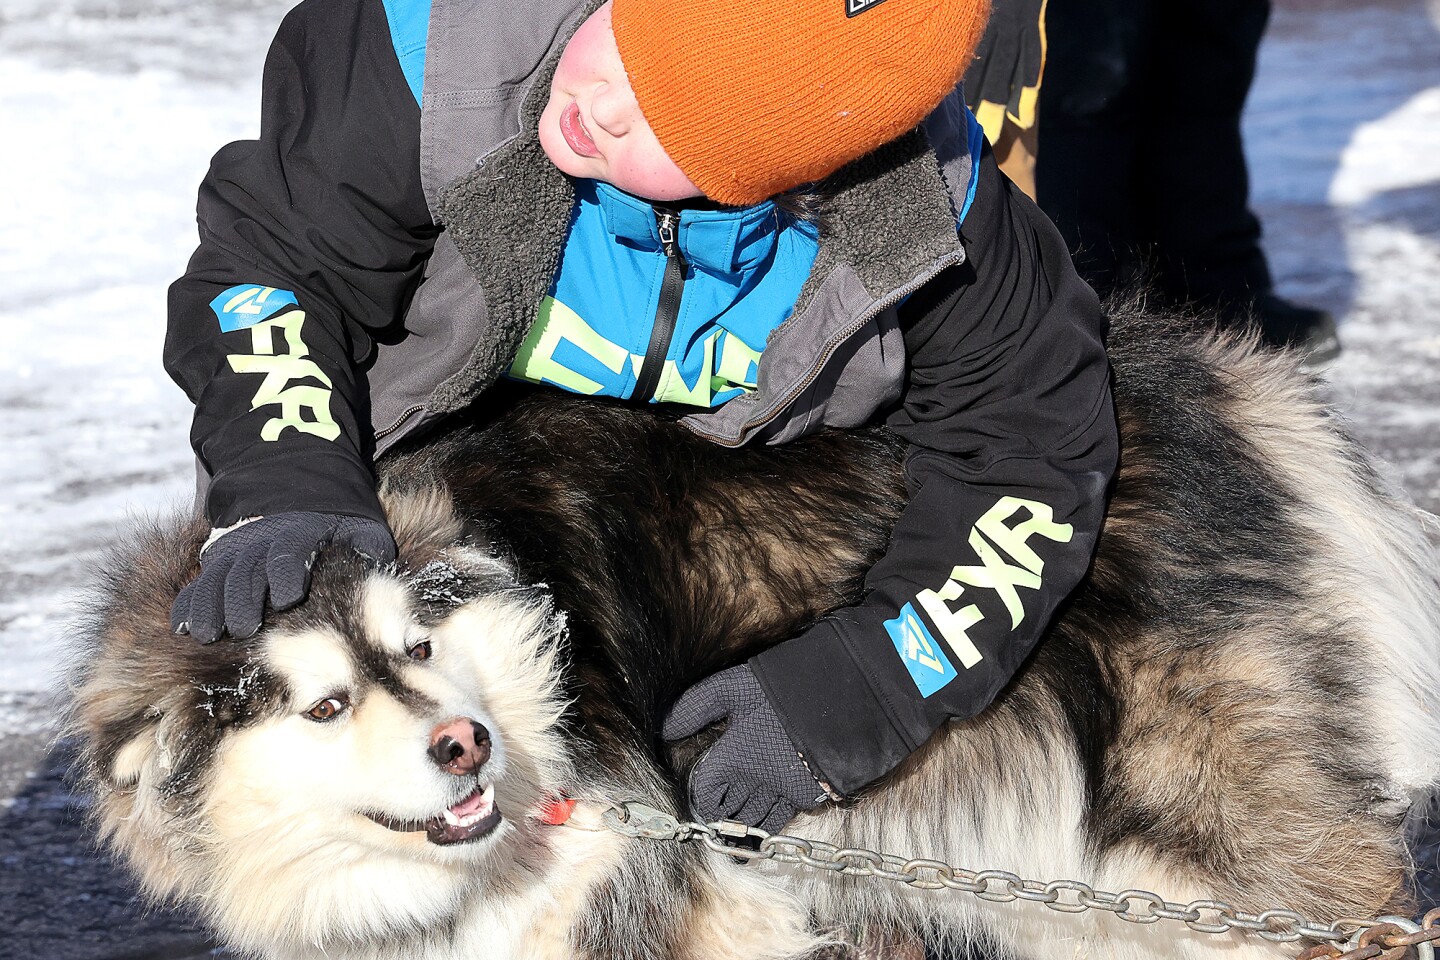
751 99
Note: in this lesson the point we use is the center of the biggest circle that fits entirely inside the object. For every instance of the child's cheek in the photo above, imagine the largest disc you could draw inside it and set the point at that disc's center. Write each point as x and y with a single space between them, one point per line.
649 172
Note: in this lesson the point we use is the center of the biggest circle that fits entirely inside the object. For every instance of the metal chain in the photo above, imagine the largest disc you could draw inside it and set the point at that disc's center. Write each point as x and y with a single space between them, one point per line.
1388 938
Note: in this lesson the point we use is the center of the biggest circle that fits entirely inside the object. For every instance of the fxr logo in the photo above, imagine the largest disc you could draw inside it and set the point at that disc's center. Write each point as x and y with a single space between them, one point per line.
928 666
281 372
1019 566
247 304
1007 562
857 7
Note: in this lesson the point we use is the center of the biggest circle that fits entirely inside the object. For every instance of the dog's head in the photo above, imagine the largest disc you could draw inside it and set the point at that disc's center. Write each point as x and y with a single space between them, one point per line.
343 775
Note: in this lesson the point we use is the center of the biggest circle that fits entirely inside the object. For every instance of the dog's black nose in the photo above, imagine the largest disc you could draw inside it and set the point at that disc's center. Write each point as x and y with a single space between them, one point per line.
460 746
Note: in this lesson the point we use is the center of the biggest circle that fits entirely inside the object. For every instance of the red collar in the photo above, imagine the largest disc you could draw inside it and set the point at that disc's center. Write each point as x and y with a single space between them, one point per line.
556 810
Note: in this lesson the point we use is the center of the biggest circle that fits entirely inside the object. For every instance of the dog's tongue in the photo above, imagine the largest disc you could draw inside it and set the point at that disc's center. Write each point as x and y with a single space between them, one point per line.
477 802
472 817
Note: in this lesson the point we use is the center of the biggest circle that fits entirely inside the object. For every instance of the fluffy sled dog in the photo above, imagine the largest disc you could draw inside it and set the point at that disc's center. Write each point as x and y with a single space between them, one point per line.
1239 703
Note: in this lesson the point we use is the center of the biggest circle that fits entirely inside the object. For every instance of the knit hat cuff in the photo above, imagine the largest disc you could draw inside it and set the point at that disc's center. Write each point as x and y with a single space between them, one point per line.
750 105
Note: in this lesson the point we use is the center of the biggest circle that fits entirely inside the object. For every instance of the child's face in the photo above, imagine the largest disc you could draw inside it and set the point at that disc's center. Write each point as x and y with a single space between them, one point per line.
592 127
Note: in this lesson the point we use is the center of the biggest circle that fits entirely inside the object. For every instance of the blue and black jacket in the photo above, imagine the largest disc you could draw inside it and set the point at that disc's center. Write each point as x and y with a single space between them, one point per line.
360 272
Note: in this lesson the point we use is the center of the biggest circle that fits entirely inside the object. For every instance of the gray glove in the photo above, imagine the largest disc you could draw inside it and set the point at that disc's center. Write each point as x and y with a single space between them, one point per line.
753 773
269 556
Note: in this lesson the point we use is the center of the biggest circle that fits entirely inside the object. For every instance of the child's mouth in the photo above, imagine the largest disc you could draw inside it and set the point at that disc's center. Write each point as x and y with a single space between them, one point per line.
572 128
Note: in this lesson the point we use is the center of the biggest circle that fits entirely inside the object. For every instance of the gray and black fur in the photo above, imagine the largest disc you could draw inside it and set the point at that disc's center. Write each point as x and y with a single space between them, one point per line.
1238 703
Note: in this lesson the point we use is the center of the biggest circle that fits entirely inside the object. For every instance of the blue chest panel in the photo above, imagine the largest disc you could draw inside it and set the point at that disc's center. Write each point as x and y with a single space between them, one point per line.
409 31
743 273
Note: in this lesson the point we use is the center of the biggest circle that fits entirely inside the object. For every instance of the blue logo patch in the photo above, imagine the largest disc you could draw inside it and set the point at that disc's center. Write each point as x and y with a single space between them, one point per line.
922 656
248 304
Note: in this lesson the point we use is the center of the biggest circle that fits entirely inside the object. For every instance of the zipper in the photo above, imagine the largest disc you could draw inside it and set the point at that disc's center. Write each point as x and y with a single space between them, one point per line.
382 434
667 311
853 328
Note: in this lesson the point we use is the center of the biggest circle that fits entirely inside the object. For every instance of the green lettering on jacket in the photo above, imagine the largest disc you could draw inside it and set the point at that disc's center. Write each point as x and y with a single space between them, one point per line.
557 324
1007 562
281 371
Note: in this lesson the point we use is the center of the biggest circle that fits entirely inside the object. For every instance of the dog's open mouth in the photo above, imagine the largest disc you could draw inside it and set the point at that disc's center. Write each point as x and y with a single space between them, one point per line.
470 819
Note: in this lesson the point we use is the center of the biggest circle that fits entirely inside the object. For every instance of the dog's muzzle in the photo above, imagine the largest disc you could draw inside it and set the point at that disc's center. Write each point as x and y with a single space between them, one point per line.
461 747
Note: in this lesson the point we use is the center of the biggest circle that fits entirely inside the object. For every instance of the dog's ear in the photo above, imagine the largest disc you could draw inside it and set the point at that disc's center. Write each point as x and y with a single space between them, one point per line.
144 749
121 752
132 759
137 581
126 669
445 559
423 520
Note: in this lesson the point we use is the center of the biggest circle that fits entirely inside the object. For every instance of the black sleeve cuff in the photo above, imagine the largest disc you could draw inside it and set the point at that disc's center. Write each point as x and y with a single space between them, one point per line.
321 481
830 710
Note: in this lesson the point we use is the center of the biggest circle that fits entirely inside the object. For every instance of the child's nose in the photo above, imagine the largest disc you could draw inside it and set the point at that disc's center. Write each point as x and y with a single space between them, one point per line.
614 108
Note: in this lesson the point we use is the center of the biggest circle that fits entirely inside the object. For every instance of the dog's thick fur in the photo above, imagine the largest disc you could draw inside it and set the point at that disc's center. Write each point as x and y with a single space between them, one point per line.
1239 703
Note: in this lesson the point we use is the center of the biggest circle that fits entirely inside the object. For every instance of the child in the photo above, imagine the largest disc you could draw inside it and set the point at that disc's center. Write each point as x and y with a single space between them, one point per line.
361 273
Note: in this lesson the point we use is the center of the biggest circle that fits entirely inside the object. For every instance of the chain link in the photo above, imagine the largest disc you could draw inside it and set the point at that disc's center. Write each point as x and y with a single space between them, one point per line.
1387 938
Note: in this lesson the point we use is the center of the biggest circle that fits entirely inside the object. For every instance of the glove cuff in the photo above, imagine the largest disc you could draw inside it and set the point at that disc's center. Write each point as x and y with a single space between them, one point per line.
834 717
830 792
219 532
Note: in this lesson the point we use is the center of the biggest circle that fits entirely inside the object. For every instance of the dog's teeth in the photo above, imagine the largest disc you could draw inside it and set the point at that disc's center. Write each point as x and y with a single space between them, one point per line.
484 803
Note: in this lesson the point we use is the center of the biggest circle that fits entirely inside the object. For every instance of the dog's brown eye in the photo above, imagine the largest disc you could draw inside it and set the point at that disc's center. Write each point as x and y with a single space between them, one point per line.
327 709
421 651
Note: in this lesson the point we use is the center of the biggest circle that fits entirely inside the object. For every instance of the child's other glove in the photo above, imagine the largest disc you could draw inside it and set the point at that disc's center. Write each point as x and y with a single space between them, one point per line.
753 773
268 556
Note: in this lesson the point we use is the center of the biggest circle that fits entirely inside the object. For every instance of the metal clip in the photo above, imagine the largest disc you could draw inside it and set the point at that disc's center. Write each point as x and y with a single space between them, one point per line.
735 830
632 819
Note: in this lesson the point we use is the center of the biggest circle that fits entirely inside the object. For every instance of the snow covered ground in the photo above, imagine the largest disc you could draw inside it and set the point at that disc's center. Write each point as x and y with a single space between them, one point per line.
1343 136
112 109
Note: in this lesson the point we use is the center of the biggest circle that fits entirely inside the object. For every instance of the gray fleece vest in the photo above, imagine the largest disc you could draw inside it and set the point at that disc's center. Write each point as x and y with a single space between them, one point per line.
889 226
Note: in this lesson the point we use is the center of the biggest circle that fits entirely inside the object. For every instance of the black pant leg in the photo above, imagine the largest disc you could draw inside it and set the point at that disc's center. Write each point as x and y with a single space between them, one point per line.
1192 188
1093 107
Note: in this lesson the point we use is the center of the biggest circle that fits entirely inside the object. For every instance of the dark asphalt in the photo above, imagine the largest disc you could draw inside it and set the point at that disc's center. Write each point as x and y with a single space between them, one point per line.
59 898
